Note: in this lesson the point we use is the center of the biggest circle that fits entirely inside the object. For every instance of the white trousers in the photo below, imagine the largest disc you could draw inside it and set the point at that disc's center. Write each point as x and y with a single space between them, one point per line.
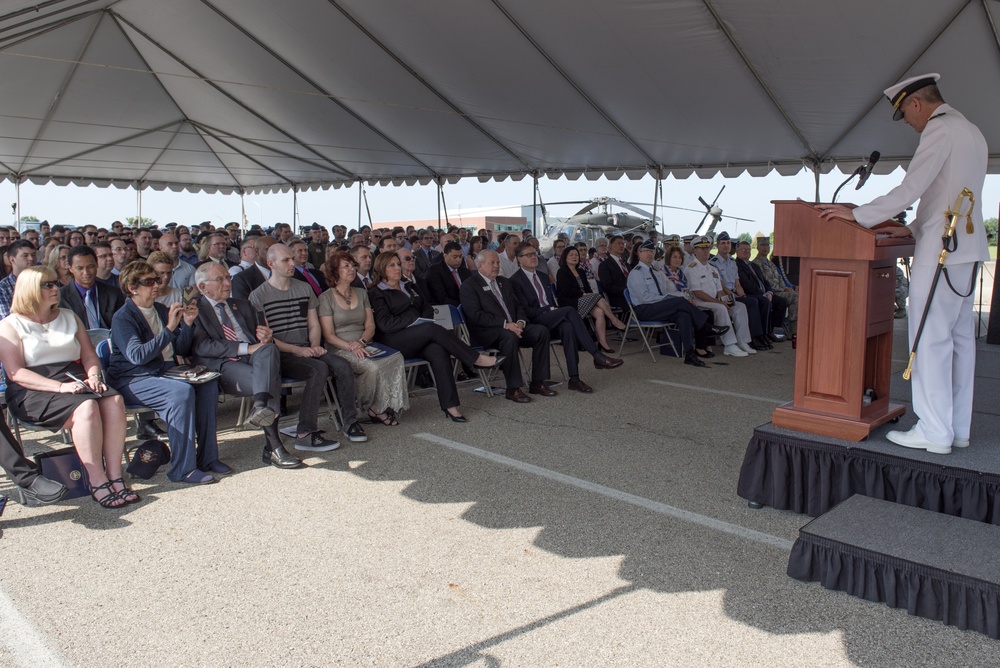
736 320
944 368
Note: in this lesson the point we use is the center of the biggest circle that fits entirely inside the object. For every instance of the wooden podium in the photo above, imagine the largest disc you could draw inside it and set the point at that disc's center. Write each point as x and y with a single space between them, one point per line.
847 287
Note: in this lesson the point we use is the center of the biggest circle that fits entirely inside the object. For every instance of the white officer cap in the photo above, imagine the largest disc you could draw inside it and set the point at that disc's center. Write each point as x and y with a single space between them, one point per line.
899 92
701 242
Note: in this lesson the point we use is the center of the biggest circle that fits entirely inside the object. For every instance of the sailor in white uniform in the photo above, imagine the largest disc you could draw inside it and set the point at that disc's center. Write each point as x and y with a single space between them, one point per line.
951 155
706 287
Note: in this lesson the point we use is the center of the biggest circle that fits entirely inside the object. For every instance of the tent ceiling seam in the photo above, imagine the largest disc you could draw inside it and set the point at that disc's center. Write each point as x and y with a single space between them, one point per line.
37 17
245 155
993 24
562 73
163 150
326 94
424 82
213 130
898 77
104 146
731 38
336 167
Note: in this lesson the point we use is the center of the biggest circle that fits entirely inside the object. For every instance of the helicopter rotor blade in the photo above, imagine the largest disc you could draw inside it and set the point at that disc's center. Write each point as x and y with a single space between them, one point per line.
746 220
587 209
703 219
705 204
717 196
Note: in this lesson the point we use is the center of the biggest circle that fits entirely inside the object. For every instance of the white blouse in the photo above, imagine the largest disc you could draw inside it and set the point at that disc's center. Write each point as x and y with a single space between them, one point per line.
50 343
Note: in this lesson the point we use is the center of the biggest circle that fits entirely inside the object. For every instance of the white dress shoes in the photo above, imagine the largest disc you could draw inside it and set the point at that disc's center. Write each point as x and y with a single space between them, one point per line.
959 442
912 439
733 350
745 347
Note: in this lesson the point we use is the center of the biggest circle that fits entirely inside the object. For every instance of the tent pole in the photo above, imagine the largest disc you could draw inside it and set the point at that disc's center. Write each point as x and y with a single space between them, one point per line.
439 206
243 212
138 205
656 193
534 204
361 190
17 203
295 210
816 177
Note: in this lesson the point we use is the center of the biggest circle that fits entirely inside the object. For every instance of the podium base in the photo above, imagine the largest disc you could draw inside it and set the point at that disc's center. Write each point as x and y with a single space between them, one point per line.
835 426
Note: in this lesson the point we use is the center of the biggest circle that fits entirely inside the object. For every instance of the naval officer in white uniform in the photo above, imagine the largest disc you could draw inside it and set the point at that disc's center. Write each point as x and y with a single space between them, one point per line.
951 156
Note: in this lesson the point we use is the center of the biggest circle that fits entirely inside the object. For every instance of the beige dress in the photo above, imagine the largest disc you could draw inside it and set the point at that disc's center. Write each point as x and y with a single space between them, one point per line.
380 382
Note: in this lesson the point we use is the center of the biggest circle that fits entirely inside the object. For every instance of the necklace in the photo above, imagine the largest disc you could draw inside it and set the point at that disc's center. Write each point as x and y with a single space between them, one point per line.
347 297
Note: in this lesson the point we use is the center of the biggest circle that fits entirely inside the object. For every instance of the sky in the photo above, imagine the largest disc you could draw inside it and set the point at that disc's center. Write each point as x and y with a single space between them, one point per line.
745 197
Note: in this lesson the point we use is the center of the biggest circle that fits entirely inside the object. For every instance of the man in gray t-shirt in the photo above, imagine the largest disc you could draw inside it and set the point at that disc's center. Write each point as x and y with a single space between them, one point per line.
290 309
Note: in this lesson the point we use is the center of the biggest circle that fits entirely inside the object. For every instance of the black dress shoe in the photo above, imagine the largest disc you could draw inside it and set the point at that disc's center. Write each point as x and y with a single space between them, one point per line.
42 490
460 419
541 389
148 431
692 358
579 386
718 331
517 396
281 458
602 361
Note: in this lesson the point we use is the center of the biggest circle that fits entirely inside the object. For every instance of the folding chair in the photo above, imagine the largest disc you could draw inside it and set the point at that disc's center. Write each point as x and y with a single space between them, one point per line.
646 328
103 349
462 329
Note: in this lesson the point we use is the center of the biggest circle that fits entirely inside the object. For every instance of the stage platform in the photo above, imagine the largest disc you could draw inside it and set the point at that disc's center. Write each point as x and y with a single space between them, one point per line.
806 473
932 565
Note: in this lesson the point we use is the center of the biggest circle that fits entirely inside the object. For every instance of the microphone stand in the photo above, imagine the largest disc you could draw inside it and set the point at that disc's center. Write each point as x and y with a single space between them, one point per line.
856 172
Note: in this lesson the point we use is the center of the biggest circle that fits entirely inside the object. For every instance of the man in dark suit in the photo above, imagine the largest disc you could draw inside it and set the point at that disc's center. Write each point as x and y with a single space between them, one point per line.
497 319
228 339
753 282
94 303
535 292
315 279
254 276
443 280
613 274
423 254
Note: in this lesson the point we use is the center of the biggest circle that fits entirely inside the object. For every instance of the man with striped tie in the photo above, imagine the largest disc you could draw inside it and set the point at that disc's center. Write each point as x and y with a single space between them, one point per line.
228 339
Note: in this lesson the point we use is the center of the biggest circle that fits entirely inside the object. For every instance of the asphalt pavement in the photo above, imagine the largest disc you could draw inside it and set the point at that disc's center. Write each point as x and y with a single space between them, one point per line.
578 530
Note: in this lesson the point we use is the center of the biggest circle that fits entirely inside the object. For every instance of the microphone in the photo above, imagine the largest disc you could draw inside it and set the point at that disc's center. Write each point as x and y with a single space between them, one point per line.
866 171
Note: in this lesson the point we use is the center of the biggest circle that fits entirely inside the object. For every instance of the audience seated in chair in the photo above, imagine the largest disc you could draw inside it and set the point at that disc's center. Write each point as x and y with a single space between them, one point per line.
290 309
652 299
573 289
397 306
146 338
563 322
497 319
709 293
39 344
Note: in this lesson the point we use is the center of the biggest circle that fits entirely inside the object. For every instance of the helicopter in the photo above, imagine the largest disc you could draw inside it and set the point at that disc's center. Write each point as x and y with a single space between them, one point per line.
588 226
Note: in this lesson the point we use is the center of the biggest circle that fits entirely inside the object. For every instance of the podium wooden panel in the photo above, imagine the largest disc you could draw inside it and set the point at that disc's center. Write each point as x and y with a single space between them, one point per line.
847 284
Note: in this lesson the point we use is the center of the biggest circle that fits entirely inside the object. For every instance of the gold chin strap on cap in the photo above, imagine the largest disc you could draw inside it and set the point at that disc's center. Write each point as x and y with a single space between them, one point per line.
952 216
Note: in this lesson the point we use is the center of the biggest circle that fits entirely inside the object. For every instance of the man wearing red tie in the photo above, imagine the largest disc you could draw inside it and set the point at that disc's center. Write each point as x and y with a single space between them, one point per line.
300 253
443 280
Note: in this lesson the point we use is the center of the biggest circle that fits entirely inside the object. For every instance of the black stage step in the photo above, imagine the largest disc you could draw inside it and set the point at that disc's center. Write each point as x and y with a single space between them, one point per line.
935 566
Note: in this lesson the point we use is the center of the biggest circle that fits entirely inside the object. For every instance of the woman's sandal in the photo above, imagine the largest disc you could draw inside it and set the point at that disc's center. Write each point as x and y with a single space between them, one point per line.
126 494
385 418
109 499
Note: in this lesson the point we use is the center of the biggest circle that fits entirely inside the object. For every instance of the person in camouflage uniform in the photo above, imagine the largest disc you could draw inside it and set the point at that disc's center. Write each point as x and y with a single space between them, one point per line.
777 284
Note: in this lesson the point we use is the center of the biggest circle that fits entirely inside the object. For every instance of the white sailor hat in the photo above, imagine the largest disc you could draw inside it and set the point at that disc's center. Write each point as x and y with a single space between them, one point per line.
687 238
701 242
671 240
897 93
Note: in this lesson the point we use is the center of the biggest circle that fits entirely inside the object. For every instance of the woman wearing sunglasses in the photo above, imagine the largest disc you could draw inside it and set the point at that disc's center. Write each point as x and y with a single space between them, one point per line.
146 338
40 344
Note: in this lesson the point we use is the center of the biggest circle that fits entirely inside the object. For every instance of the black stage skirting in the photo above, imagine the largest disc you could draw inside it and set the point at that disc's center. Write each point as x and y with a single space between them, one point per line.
932 565
810 474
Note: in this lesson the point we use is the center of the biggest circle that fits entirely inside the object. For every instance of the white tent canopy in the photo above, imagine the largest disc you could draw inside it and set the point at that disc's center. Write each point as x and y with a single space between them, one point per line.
258 95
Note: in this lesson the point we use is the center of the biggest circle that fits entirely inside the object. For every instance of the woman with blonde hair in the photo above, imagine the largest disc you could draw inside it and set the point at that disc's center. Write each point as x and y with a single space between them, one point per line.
58 261
40 344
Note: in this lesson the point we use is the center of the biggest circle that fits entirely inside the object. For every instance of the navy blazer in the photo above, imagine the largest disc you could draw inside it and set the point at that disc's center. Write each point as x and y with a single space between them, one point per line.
246 281
614 282
526 292
134 349
482 310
